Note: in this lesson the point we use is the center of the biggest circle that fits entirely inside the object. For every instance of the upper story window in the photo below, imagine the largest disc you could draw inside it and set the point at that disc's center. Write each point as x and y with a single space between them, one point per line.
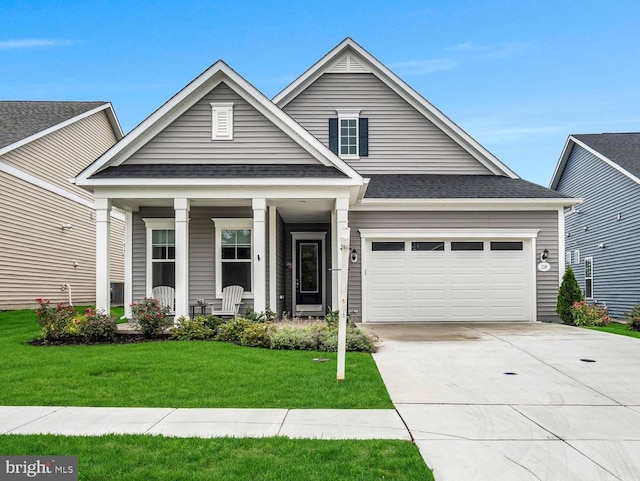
222 121
349 134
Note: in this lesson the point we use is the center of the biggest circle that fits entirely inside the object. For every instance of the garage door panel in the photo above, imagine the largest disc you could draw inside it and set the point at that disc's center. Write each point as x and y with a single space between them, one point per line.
449 285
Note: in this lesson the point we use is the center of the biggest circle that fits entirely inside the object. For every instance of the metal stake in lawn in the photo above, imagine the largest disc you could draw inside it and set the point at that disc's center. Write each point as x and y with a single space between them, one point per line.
343 284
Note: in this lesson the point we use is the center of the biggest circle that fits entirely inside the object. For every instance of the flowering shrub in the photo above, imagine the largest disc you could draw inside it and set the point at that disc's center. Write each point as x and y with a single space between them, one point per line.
98 326
150 317
57 322
589 315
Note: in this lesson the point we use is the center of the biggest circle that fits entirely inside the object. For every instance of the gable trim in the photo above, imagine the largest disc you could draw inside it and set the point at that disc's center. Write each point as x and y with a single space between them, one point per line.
187 97
566 153
113 120
413 98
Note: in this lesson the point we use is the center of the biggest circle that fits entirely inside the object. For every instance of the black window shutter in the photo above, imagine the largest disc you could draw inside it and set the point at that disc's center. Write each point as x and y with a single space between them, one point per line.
333 135
363 129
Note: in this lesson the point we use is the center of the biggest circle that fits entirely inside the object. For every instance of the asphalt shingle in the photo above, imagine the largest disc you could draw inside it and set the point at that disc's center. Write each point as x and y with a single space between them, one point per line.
623 148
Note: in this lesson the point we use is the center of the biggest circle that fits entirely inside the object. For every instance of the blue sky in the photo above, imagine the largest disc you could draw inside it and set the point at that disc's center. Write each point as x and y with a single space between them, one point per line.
518 76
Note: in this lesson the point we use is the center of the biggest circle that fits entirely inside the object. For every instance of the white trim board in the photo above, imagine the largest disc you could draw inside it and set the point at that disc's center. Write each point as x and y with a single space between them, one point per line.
54 189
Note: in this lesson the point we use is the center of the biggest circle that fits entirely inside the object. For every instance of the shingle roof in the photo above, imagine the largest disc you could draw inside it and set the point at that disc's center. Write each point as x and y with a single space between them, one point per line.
623 149
432 186
21 119
168 171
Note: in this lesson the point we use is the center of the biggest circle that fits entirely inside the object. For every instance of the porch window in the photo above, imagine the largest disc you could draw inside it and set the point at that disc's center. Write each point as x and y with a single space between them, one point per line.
161 253
234 254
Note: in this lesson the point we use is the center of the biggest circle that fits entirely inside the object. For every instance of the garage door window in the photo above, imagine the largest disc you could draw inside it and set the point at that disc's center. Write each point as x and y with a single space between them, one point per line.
506 246
467 246
427 246
387 246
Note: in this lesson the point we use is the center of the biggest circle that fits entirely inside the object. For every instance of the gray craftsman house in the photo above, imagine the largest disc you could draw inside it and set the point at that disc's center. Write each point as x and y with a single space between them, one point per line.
47 224
602 232
223 186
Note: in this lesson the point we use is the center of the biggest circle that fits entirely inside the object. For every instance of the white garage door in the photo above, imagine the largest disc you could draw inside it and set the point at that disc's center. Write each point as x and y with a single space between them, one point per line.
448 280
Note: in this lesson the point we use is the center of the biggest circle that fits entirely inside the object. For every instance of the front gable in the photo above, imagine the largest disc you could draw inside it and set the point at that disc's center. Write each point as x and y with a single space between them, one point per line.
181 133
406 133
188 139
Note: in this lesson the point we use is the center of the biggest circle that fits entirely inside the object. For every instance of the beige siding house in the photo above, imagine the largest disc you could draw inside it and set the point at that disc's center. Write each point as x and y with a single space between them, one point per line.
47 224
347 190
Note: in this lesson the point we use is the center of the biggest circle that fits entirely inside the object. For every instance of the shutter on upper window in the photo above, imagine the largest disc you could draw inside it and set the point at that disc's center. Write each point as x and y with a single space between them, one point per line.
363 134
333 135
222 121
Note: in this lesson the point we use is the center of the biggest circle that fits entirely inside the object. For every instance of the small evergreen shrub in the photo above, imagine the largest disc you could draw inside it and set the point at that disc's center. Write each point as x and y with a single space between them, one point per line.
98 326
231 330
568 294
633 318
589 315
332 318
191 329
357 340
150 317
256 335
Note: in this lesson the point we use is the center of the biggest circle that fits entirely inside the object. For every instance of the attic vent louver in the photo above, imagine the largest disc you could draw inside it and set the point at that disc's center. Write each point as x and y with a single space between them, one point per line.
348 64
222 121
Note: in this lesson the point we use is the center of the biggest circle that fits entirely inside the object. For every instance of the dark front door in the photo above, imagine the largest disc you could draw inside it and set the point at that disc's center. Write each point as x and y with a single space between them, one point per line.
309 279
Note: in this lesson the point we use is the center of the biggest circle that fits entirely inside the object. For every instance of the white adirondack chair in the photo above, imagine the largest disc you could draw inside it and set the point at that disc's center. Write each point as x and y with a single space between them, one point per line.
166 296
231 300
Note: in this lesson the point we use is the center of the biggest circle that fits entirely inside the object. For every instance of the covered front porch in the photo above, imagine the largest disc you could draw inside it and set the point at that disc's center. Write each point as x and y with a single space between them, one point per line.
282 247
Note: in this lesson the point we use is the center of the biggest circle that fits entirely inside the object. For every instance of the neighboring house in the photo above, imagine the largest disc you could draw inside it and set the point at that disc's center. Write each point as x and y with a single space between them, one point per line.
47 224
602 232
222 186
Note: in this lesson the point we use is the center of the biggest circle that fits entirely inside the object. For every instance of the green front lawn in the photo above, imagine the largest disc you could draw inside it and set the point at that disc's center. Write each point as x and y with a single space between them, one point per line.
615 328
155 458
177 374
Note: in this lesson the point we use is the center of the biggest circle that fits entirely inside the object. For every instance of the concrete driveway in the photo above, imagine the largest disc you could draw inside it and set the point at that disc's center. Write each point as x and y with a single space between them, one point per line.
494 402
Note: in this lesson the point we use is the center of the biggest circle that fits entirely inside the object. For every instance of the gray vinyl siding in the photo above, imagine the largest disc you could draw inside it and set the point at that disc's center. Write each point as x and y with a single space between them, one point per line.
37 256
546 221
62 154
188 139
201 249
401 140
606 194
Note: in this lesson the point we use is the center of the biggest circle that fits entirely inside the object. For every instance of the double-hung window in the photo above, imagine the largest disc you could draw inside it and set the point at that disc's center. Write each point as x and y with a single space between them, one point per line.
349 134
234 249
588 277
161 252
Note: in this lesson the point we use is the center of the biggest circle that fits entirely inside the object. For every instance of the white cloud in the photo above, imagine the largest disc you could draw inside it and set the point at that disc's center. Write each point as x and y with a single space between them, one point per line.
423 67
32 43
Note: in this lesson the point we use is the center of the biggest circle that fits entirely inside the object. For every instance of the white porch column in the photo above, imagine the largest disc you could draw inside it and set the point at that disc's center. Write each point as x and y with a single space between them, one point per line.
181 206
273 281
259 287
103 234
128 262
343 235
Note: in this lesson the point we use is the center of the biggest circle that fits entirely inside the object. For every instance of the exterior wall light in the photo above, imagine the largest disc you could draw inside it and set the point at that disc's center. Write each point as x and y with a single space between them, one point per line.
545 255
354 255
66 226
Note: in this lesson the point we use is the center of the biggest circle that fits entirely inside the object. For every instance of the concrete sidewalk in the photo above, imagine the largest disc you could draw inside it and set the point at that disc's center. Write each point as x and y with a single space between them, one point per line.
205 423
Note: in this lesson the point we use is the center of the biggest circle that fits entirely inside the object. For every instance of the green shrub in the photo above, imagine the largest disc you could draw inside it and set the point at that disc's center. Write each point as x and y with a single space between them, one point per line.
589 315
357 340
633 318
332 318
191 329
210 321
231 330
151 317
300 337
98 326
256 335
57 322
253 316
568 293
